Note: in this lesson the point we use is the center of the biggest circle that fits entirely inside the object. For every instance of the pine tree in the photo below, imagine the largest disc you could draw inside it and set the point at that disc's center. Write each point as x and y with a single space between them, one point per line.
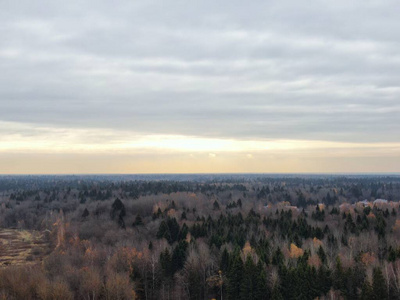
216 205
321 254
166 263
250 279
379 285
262 291
183 216
117 208
239 203
163 231
179 256
138 220
235 276
324 280
366 291
224 265
277 258
276 294
121 221
85 213
169 230
338 276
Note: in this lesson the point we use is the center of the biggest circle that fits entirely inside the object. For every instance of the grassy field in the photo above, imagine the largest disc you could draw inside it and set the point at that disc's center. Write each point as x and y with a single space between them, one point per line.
21 247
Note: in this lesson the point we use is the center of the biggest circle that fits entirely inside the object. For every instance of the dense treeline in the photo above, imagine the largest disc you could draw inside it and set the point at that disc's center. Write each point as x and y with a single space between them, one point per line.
230 238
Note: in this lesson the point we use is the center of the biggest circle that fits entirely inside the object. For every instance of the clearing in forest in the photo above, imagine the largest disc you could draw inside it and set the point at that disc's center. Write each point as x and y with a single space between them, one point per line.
21 247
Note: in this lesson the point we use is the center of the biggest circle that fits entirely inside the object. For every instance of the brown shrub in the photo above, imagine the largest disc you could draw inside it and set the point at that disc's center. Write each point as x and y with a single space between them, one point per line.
119 287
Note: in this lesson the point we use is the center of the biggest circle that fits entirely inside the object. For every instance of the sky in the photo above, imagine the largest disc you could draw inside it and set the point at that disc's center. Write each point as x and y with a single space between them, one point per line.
199 86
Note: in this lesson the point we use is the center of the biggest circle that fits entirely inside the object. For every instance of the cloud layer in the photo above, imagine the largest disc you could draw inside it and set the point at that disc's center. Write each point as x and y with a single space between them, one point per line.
251 73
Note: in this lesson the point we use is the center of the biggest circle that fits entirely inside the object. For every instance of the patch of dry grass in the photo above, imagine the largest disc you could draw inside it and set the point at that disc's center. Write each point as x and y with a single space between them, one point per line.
21 247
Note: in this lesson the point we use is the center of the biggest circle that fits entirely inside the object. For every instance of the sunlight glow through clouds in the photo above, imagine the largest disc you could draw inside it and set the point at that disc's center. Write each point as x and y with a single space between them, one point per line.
21 138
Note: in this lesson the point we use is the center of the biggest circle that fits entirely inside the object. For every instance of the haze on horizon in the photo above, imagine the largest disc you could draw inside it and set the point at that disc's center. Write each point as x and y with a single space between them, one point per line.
178 87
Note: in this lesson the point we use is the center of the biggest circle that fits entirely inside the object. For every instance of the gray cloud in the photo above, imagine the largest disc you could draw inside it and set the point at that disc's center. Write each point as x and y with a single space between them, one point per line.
260 70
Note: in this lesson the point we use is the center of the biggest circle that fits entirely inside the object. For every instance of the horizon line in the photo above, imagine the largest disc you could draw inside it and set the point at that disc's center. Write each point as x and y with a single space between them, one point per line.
202 173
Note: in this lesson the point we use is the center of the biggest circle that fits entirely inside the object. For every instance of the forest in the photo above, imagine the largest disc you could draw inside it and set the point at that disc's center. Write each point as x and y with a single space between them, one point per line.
200 237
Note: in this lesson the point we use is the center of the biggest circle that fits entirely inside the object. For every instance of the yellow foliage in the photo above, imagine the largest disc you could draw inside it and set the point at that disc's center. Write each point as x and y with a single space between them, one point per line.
295 251
188 237
283 203
247 248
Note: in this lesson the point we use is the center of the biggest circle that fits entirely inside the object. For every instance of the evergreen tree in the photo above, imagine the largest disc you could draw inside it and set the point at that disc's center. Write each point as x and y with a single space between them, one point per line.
262 291
166 263
169 230
276 294
121 221
183 216
324 280
138 221
85 213
379 286
235 276
224 265
239 203
179 256
216 205
366 291
321 254
278 258
250 280
118 208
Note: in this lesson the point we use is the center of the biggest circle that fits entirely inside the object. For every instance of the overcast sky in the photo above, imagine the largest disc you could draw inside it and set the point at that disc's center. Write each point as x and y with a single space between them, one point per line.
199 86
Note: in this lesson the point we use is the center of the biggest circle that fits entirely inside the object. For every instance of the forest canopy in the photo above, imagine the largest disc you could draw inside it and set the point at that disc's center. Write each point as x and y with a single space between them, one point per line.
200 237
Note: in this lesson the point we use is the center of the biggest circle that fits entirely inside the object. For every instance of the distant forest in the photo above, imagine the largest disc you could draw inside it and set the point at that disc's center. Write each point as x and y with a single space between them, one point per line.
200 237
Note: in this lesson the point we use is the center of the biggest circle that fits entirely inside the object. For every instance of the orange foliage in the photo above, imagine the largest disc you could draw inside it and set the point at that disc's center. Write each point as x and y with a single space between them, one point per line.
317 242
123 259
352 241
396 226
59 228
283 204
295 251
159 205
118 286
90 255
247 249
346 260
344 207
85 244
75 241
172 213
368 258
188 237
314 261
